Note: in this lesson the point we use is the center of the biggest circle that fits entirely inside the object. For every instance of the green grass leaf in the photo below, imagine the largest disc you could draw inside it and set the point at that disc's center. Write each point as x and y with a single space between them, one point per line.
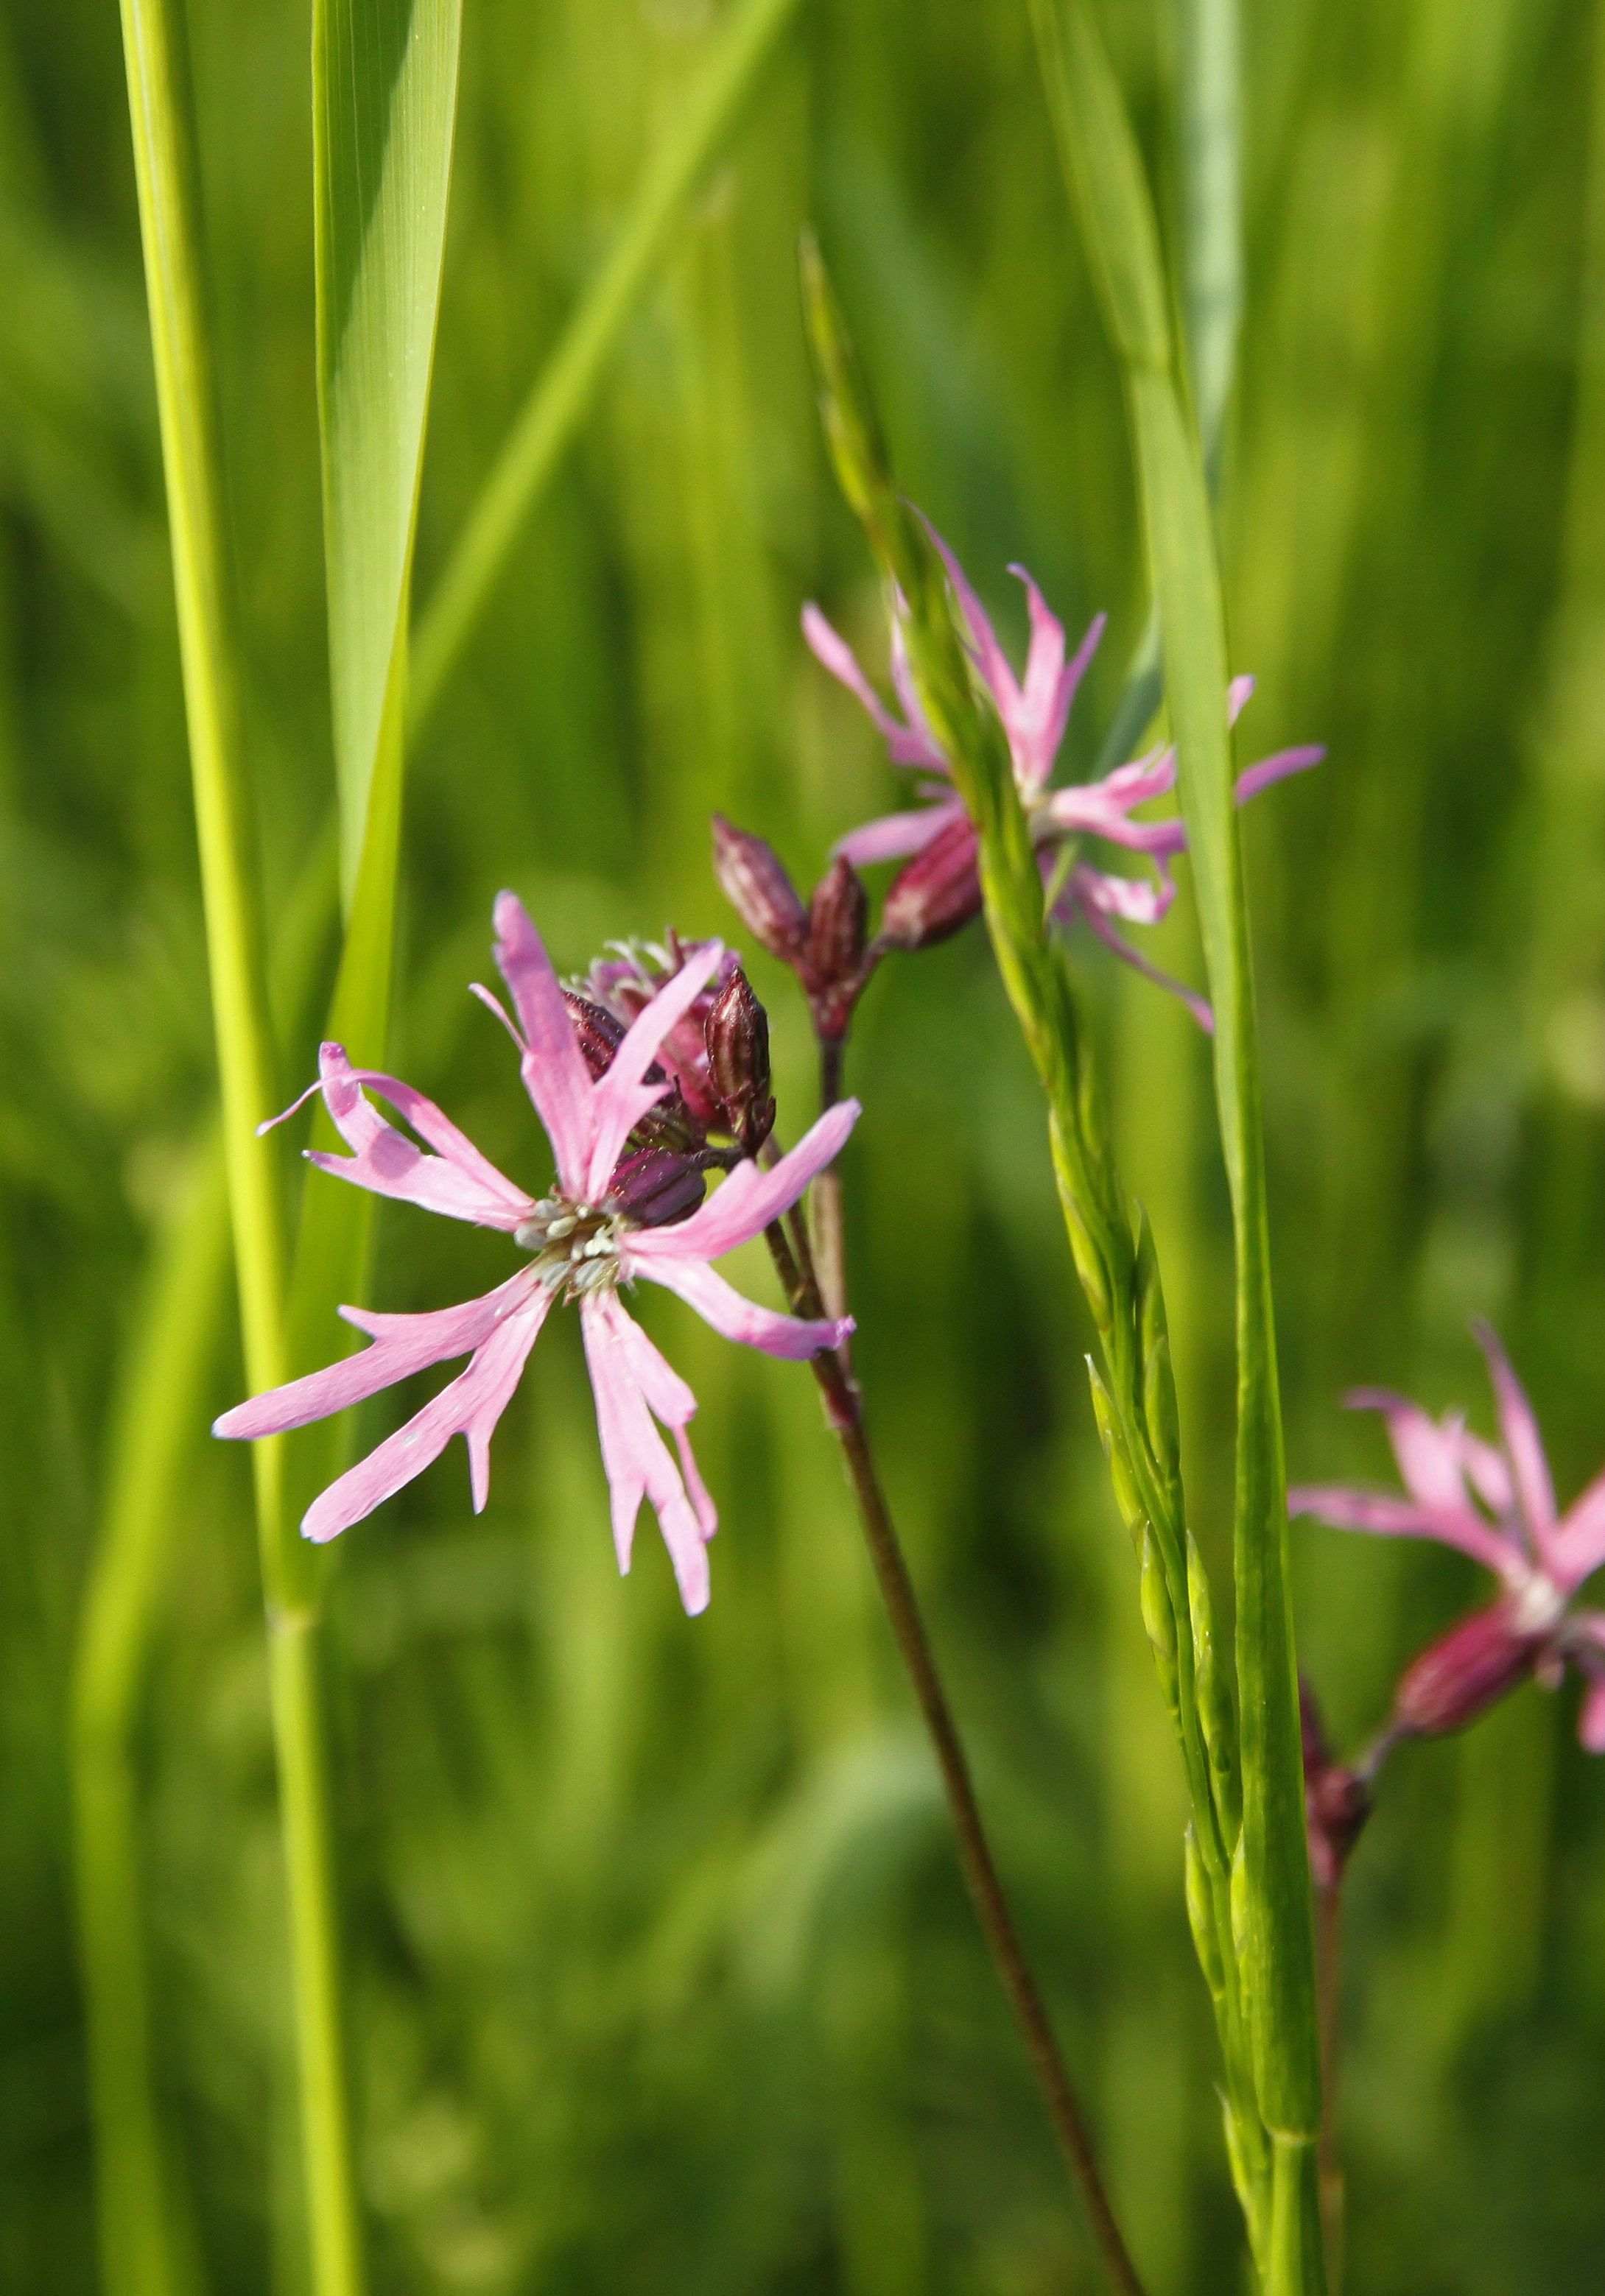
384 76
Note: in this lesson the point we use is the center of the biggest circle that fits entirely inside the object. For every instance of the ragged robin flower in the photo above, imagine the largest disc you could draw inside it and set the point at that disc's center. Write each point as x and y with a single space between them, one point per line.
939 888
1496 1503
622 1206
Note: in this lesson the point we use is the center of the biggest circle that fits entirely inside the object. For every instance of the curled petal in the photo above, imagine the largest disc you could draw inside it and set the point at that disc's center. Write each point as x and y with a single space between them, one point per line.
626 1373
991 658
619 1098
1394 1518
1523 1445
1591 1716
402 1345
457 1180
748 1201
554 1071
736 1317
470 1407
1277 768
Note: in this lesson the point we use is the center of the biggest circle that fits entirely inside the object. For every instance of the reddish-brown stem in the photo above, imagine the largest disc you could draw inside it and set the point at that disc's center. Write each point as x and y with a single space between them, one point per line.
1329 1933
844 1409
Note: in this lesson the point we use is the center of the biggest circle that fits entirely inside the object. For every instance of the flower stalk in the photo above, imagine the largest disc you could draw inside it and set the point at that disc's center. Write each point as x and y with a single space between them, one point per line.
843 1410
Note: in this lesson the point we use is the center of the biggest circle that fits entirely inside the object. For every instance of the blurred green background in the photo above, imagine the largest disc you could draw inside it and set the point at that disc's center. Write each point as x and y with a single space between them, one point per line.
662 1977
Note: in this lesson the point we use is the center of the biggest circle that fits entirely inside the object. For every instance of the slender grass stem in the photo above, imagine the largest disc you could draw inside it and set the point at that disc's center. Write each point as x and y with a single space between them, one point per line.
563 392
844 1409
163 167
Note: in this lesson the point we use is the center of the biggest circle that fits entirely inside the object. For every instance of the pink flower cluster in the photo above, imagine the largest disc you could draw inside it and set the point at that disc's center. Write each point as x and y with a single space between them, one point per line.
1496 1503
936 839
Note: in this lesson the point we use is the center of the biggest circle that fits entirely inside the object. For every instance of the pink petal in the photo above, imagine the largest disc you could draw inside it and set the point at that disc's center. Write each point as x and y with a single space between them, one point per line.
746 1201
994 663
1431 1457
896 835
1590 1714
736 1317
619 1099
1050 685
1392 1518
1239 694
402 1345
1118 946
1579 1544
552 1067
634 1458
1140 900
1523 1445
470 1407
933 759
457 1181
1277 769
908 745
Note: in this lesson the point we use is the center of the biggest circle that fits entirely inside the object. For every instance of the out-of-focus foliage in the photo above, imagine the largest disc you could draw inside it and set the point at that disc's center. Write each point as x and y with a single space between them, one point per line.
662 1977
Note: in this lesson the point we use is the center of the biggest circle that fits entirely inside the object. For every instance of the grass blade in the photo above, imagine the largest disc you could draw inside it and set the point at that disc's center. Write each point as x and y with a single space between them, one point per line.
152 39
563 392
385 75
1271 1886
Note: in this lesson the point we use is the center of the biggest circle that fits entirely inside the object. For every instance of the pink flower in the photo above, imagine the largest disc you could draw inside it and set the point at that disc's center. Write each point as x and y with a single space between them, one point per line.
583 1240
1496 1503
1033 713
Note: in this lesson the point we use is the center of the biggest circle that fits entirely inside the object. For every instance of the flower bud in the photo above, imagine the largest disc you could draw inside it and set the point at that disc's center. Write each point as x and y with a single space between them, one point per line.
1464 1672
654 1187
759 889
936 893
598 1034
1337 1799
736 1036
595 1032
838 930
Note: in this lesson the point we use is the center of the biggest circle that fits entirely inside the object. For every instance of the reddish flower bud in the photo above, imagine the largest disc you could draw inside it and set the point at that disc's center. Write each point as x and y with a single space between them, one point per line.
1464 1672
1337 1799
595 1032
758 888
736 1035
832 969
598 1034
654 1187
936 893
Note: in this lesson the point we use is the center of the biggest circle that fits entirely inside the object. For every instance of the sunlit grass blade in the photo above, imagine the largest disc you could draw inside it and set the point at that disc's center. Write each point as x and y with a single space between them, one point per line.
152 38
1271 1894
384 77
563 392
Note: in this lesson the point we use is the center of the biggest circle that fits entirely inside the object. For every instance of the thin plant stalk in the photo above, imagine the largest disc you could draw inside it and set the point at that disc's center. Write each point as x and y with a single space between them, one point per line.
157 1410
844 1411
563 391
163 167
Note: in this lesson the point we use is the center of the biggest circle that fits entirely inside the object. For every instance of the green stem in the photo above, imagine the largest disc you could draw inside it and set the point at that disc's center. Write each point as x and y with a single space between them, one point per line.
563 391
163 167
157 1411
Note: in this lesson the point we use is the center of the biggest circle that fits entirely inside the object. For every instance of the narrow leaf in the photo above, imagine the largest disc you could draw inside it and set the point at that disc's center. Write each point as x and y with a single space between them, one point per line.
384 98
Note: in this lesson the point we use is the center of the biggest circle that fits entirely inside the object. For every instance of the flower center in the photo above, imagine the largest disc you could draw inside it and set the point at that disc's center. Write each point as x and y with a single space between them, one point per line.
575 1246
1538 1604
